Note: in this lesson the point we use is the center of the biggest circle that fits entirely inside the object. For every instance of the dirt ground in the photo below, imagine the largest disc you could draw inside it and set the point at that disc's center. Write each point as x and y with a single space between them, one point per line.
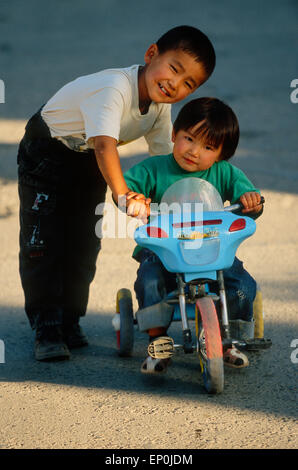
97 400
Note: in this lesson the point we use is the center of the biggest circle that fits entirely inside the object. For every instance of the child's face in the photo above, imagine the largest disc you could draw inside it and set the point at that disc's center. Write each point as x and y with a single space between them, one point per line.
191 153
170 77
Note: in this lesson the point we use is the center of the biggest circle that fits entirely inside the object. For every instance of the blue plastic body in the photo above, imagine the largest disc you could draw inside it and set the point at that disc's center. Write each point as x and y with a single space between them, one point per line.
197 246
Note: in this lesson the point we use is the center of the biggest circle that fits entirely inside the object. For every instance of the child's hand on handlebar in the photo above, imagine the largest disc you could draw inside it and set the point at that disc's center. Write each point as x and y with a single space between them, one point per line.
251 202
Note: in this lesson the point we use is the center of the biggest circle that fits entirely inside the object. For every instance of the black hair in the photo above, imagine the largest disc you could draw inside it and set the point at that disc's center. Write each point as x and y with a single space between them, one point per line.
192 41
219 124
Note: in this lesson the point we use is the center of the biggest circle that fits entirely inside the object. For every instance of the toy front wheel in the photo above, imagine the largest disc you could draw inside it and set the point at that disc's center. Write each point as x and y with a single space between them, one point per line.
125 333
209 345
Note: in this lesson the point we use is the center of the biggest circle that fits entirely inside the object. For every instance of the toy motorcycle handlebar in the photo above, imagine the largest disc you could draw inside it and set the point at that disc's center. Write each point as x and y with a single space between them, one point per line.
235 207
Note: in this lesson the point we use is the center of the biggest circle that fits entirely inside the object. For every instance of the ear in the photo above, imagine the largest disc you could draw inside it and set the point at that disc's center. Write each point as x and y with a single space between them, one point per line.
219 156
151 52
173 136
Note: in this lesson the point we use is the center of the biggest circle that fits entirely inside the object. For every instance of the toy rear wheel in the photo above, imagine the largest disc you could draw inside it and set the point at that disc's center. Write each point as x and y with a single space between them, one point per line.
124 308
209 345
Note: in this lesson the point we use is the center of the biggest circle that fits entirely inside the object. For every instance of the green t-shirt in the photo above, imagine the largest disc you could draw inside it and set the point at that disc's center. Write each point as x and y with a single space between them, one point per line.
154 175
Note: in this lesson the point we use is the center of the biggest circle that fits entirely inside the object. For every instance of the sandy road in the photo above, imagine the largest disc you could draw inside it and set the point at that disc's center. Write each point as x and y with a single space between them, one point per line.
97 400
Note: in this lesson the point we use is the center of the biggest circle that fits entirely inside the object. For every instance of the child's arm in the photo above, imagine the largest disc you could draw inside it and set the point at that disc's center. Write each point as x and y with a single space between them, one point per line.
140 180
108 160
239 188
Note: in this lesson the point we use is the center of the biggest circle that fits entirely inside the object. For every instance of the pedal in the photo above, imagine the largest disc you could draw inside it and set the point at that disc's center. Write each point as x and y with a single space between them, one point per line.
257 344
161 348
254 344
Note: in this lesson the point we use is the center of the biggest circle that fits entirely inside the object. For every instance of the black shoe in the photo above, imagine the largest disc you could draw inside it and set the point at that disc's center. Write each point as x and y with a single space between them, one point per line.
74 335
49 344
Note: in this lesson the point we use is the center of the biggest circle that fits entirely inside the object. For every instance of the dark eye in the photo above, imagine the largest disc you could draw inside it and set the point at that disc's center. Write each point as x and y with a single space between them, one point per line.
187 137
188 85
208 147
174 68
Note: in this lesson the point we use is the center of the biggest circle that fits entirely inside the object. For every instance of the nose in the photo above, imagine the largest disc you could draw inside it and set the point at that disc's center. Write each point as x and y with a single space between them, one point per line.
173 83
195 149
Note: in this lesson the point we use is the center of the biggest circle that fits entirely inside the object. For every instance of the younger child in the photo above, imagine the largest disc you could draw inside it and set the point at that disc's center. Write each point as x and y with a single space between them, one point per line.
205 136
67 158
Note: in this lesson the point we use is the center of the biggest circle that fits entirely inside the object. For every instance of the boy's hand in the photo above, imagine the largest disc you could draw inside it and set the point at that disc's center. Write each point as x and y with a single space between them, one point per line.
124 198
135 204
251 202
137 207
133 195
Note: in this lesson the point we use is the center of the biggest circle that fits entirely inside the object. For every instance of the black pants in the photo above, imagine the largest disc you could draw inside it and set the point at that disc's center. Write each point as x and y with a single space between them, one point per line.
59 190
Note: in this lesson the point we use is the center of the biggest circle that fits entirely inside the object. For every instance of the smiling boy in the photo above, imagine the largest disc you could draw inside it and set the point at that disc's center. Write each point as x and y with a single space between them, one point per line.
67 158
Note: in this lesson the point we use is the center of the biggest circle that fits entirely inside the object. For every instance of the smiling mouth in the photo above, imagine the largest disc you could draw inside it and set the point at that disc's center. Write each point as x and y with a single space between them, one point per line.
164 91
190 162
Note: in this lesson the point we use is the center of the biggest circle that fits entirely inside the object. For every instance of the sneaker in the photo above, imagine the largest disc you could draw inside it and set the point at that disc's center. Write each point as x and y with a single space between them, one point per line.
74 336
232 357
155 366
49 344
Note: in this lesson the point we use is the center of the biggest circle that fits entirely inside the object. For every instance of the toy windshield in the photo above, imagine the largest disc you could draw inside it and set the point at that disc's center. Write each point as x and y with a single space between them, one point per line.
190 191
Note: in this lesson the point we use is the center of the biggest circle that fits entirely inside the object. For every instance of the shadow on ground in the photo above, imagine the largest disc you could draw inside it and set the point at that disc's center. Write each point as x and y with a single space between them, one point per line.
267 386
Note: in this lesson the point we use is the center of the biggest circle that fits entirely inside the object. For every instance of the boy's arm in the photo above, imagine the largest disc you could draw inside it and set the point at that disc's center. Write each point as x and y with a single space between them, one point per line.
108 160
138 179
102 113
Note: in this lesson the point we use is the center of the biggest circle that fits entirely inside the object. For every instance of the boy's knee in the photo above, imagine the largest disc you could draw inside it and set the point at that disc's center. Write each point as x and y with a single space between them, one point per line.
153 316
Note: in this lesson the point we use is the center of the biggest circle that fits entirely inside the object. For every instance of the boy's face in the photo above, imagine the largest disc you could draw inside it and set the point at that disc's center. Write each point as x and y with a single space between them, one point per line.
170 77
191 153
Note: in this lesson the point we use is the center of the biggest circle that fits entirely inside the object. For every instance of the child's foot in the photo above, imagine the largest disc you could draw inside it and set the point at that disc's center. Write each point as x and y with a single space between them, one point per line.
232 357
49 344
155 366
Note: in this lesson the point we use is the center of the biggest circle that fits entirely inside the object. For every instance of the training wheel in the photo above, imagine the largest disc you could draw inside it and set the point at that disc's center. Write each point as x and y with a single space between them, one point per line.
123 322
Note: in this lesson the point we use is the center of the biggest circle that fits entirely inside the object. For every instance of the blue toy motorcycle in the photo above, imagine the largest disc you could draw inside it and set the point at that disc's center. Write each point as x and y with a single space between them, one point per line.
196 237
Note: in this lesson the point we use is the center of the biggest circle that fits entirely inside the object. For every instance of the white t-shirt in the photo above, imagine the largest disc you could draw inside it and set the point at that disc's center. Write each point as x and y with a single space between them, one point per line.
107 103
